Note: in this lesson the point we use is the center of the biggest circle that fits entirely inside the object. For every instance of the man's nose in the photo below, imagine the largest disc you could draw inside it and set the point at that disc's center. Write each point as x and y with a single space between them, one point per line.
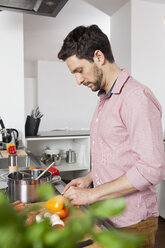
79 79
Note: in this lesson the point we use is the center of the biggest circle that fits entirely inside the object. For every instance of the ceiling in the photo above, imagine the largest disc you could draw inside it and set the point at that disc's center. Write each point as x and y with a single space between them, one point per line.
111 6
107 6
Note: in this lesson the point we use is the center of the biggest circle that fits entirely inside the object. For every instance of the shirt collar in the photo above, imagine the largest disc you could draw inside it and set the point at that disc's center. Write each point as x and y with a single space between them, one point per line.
102 91
121 80
117 85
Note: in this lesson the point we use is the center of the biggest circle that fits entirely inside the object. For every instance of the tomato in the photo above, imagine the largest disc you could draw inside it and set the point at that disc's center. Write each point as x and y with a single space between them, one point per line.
58 205
63 212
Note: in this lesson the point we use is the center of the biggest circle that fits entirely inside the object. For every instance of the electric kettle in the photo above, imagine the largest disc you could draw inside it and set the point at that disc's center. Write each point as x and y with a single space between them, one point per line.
11 137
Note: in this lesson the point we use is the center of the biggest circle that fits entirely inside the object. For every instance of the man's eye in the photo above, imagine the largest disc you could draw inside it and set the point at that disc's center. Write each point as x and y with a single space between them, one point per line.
78 71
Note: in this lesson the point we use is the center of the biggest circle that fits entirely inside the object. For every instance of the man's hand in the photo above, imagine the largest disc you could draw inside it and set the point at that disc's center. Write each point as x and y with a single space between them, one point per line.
79 196
81 182
84 196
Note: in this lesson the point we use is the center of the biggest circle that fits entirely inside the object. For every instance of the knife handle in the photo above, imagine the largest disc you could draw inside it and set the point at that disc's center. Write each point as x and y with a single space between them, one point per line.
84 243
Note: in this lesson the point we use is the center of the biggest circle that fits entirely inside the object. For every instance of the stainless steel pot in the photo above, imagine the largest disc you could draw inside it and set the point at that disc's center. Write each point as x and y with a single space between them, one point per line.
70 157
49 158
22 184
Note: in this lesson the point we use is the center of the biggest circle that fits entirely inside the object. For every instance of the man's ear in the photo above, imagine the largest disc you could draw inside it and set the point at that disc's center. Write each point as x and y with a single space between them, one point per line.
99 57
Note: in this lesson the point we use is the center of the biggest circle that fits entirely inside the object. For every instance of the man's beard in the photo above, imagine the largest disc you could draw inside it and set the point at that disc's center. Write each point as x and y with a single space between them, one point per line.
99 76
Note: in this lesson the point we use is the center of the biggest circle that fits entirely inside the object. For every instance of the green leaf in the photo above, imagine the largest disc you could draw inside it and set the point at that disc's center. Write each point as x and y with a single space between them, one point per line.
14 233
108 208
46 191
80 226
118 239
7 214
7 236
74 231
36 231
31 208
54 237
60 239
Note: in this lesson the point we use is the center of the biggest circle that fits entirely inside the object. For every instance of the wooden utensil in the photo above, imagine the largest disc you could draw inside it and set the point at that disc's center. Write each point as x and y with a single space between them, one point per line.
44 171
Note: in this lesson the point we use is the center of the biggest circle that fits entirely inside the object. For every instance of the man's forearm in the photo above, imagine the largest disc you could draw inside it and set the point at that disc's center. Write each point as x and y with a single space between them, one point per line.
116 188
89 176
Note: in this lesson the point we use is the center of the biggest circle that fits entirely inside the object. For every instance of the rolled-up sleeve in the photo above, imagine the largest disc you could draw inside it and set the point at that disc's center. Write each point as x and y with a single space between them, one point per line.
143 122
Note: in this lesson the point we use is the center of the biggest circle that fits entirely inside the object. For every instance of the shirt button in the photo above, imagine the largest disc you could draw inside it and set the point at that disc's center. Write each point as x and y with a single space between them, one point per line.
97 120
93 142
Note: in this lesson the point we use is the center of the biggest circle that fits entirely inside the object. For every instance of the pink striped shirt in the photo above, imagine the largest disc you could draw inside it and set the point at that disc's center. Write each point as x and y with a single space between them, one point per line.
126 138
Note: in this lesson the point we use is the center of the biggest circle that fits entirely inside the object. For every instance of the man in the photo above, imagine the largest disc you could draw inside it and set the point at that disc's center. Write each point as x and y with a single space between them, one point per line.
126 135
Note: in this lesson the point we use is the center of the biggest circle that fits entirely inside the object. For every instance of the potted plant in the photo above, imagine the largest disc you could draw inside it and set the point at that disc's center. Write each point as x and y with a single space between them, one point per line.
15 234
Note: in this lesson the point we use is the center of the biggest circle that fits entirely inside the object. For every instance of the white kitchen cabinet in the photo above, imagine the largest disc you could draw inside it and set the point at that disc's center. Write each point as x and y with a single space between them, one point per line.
79 141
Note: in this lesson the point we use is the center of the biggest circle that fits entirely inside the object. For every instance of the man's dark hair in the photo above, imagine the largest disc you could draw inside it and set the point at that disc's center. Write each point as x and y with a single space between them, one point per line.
84 41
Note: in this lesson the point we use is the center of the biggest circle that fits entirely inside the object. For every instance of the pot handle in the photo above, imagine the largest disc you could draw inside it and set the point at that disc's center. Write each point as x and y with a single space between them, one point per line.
55 179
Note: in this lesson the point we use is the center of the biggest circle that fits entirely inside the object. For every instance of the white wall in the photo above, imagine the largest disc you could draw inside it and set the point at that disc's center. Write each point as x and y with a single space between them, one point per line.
148 47
12 70
63 103
138 43
30 95
44 35
121 36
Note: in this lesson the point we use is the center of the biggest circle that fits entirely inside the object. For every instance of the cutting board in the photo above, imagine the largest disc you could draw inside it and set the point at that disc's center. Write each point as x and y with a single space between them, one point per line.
77 213
20 153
